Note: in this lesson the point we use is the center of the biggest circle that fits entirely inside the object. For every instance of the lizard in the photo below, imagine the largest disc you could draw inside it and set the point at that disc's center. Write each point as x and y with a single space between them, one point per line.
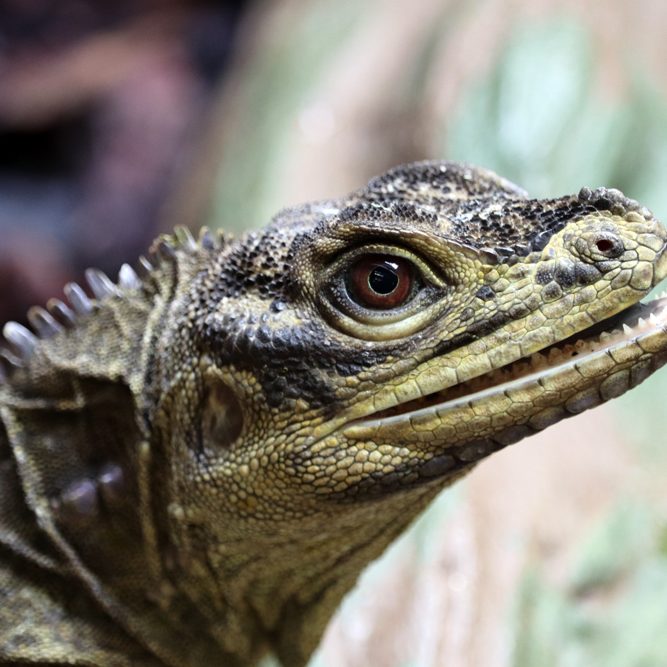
198 459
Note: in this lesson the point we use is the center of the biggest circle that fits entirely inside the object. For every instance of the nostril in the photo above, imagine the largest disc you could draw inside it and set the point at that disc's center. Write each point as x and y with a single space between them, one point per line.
609 246
604 246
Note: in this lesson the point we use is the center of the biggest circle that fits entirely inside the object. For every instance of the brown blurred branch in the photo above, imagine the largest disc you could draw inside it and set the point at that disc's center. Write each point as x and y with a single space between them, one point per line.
41 85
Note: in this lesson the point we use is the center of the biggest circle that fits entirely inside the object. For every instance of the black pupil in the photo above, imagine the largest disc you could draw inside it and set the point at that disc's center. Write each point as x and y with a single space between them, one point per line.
384 279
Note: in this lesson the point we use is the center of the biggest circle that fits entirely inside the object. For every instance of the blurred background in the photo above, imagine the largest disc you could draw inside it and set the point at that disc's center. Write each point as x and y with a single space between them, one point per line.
119 120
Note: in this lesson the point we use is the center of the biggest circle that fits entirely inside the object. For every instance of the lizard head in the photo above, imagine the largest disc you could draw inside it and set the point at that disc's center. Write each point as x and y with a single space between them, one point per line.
252 422
362 347
358 355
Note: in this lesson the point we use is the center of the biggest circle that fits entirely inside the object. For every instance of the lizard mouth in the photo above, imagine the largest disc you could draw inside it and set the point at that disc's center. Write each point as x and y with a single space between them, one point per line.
634 338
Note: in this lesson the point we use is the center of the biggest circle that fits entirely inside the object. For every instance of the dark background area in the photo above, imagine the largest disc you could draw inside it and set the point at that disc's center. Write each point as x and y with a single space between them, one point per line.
101 104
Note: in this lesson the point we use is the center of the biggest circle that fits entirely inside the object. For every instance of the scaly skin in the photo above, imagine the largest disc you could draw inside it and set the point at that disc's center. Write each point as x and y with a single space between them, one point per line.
196 465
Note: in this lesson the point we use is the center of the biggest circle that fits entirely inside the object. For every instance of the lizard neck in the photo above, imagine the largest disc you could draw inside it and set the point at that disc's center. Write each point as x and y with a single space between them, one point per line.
283 581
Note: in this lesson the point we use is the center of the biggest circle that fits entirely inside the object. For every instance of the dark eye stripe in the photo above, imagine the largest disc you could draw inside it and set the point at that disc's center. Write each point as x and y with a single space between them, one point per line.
380 281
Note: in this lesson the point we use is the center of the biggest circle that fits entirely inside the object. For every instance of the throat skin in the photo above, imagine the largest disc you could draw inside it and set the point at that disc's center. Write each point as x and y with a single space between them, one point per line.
198 460
288 586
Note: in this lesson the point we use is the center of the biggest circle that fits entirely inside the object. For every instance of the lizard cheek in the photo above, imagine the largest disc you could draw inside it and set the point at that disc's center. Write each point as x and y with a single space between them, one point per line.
222 417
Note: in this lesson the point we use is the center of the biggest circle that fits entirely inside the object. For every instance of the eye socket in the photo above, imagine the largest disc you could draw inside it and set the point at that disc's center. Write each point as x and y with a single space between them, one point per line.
381 282
380 292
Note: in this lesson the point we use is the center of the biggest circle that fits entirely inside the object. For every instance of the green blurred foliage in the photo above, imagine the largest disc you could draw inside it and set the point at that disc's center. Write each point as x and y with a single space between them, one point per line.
617 590
275 87
538 119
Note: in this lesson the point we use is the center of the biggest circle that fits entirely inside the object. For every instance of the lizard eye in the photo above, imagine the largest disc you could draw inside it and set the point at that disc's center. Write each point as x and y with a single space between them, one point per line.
381 292
381 281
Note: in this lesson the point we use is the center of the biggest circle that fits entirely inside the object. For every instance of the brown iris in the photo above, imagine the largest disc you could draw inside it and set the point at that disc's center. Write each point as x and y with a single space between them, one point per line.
381 281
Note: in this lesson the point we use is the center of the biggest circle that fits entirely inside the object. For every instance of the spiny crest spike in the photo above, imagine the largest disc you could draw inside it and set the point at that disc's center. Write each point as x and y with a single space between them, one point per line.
128 278
144 267
184 238
207 240
8 364
100 284
61 312
78 299
43 323
165 250
22 340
